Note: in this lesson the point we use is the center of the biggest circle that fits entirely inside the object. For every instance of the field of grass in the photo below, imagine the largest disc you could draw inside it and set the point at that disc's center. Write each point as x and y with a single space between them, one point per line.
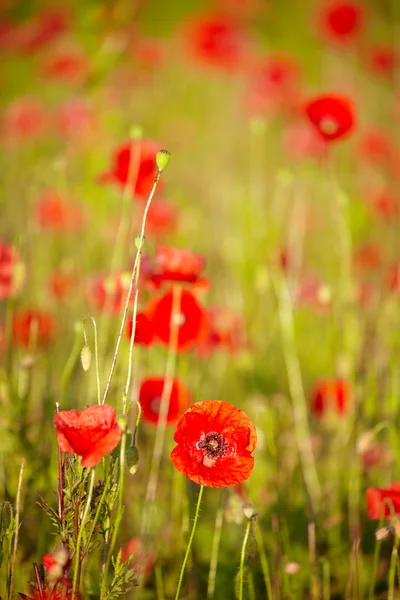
199 201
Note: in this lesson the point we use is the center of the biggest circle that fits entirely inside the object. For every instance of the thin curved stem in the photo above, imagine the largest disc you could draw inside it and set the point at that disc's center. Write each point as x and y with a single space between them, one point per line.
81 528
96 354
242 558
219 519
188 547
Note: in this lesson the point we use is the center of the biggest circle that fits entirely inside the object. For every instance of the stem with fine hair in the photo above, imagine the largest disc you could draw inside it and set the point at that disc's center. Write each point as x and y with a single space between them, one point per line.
189 545
242 558
75 581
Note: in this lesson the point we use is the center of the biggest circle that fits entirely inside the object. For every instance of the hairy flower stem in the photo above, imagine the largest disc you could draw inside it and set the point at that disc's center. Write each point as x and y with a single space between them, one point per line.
189 545
132 282
242 558
96 353
78 556
16 535
60 483
212 573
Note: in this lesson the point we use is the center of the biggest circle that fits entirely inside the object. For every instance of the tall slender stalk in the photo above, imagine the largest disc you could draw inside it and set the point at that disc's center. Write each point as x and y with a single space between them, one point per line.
16 535
242 558
78 556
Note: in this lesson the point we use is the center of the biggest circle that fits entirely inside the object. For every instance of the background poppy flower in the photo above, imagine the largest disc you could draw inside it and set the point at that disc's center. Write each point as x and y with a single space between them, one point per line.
301 141
341 21
143 331
178 264
162 218
191 320
376 146
33 326
75 118
107 292
53 213
330 394
332 116
383 60
91 433
214 444
383 501
23 119
68 67
150 394
142 561
11 271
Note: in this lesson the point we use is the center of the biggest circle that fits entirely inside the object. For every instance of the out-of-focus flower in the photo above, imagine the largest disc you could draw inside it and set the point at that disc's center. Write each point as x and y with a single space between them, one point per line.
214 40
55 214
62 282
107 292
75 119
56 564
179 264
383 502
214 444
162 218
69 67
23 119
383 203
376 146
33 326
149 53
44 29
226 331
383 60
91 433
333 116
12 271
150 394
330 394
142 561
301 141
341 21
368 257
144 335
313 293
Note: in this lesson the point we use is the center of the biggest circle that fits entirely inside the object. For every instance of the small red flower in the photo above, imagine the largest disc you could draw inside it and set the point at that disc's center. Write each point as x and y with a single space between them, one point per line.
142 562
332 116
383 203
384 60
123 166
149 53
162 218
54 214
69 67
215 40
226 331
33 326
62 282
56 564
150 394
144 335
330 394
214 444
179 264
313 293
383 501
12 271
376 146
46 28
301 141
107 292
191 320
91 433
23 119
75 118
341 21
368 257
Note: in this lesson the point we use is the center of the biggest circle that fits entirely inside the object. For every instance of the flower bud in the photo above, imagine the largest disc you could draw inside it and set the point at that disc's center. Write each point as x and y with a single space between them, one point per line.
248 510
86 357
132 459
162 159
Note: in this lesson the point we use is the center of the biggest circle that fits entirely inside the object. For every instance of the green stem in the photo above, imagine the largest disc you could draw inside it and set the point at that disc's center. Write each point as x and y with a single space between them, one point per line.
81 529
196 518
242 557
392 570
263 560
69 367
96 354
219 519
96 517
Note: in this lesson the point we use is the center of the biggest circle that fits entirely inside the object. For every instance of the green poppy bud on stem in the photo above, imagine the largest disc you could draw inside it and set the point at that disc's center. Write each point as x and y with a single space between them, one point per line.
86 357
132 459
162 159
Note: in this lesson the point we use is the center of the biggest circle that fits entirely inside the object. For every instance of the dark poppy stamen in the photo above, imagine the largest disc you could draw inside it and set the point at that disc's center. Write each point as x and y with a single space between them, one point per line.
213 443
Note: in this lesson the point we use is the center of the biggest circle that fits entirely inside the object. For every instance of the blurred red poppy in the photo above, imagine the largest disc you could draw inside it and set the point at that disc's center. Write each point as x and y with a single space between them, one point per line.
191 321
214 444
162 218
383 502
123 166
368 257
301 141
68 67
75 118
332 116
226 331
107 292
62 282
91 433
23 119
179 264
57 565
47 26
150 394
33 326
215 40
383 60
55 214
393 277
313 293
376 146
341 21
383 203
330 394
142 561
143 331
149 53
12 271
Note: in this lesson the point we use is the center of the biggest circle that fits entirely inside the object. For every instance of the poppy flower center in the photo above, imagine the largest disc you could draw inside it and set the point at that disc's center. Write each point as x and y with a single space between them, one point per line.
328 125
214 446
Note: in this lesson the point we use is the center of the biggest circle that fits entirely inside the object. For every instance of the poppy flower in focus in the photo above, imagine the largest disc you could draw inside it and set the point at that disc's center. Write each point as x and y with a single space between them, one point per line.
383 60
23 119
191 320
143 331
12 271
150 394
332 116
383 501
33 326
376 146
341 21
214 444
142 561
68 67
123 166
301 141
107 292
330 394
75 118
214 40
91 433
54 214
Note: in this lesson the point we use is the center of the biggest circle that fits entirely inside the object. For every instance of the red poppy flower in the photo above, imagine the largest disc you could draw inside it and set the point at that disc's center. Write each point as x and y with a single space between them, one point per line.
62 282
383 501
150 394
56 564
383 203
149 53
313 293
143 331
376 146
107 292
75 119
384 60
341 21
162 218
23 119
214 40
301 141
69 67
226 331
179 264
393 277
214 444
191 320
330 394
142 561
33 326
91 433
12 271
142 177
368 257
54 214
332 116
47 27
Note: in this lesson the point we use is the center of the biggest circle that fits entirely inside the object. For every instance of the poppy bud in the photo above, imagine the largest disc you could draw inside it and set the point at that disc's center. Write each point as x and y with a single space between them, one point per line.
162 159
86 357
248 511
132 459
383 532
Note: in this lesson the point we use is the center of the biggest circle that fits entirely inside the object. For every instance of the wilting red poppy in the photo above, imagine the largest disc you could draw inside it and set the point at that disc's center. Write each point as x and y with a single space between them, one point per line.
91 433
150 394
383 501
332 116
214 444
33 326
75 118
143 331
123 166
142 561
376 146
23 119
330 394
54 214
12 271
384 60
214 40
69 67
301 141
341 21
191 321
107 292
